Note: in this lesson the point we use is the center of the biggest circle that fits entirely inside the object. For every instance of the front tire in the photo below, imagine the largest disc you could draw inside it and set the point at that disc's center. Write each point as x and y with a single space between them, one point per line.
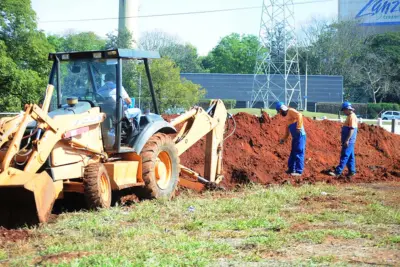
160 169
97 187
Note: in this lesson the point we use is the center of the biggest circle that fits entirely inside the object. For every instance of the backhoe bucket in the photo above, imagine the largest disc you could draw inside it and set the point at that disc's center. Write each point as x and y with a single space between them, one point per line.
25 198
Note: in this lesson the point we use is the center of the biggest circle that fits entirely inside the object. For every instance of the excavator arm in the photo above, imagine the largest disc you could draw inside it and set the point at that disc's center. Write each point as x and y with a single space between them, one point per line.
196 124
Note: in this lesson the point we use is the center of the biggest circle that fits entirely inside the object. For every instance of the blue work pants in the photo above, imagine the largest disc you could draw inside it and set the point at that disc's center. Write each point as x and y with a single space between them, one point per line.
296 158
347 158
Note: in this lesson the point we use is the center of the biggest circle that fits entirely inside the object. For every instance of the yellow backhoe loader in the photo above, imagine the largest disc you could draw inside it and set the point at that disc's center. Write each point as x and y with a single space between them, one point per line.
84 139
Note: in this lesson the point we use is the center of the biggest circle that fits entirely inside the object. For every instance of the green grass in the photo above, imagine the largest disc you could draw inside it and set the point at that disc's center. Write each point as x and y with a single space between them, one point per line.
323 259
3 255
272 112
394 239
253 224
319 235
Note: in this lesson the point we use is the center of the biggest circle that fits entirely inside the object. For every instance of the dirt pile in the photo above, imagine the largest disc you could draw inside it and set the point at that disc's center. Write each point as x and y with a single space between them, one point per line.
253 152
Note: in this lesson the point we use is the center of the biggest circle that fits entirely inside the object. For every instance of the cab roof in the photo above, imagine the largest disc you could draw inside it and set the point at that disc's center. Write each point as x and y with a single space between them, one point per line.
105 54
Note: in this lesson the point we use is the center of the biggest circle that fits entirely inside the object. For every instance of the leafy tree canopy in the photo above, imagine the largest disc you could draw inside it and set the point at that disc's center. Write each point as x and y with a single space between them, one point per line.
23 55
235 53
171 91
84 41
184 55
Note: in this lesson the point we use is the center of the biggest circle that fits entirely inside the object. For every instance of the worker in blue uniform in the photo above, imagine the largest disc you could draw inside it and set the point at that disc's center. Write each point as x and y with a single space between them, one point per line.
296 128
348 140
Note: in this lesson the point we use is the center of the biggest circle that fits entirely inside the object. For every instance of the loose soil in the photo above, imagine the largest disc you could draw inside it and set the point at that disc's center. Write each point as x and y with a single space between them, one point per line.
253 152
65 257
13 235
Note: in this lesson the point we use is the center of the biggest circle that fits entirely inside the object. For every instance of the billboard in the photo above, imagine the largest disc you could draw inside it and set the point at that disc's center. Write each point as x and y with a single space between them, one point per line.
371 12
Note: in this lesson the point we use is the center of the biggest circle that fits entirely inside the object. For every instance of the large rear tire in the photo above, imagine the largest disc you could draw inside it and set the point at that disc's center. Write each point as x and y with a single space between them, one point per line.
160 169
97 187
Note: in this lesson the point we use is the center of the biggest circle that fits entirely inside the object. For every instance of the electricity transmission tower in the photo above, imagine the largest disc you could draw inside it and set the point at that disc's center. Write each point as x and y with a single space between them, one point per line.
277 73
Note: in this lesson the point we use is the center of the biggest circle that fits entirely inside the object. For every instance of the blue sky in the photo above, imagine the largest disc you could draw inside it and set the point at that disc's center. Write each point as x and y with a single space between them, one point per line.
202 30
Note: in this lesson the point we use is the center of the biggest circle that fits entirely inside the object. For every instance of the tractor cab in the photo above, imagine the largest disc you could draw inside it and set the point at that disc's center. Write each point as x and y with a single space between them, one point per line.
84 80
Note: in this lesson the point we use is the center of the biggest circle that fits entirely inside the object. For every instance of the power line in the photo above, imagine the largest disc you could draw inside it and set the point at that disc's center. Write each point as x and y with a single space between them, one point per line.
159 15
177 14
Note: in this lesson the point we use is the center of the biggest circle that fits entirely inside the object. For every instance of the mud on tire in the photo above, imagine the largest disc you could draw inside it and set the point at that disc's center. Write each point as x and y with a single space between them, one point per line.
97 187
160 169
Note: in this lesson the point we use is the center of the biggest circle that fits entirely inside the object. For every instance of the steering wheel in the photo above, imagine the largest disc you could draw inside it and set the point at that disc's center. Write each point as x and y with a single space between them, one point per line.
99 97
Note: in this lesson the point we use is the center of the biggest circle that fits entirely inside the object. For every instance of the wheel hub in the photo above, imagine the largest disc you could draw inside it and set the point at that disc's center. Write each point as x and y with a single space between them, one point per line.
104 187
163 170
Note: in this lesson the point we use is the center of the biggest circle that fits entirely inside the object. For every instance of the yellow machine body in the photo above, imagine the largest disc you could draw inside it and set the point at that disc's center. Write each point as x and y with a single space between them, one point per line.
71 143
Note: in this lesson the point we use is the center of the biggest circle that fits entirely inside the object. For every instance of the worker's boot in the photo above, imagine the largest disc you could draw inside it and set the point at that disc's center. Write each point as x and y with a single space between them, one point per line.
350 175
334 174
295 174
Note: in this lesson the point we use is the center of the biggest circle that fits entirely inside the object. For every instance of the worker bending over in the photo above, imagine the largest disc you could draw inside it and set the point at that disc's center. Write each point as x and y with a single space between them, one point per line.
296 129
348 138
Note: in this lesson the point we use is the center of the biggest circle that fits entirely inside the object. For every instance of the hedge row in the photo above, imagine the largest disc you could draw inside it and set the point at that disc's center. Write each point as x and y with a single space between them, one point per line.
370 111
375 110
334 108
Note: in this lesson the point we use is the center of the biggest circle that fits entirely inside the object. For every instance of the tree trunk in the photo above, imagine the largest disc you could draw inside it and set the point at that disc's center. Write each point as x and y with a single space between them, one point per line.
374 96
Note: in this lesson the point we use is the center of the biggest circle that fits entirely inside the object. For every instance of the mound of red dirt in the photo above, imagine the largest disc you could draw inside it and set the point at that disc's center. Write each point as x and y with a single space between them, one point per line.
253 152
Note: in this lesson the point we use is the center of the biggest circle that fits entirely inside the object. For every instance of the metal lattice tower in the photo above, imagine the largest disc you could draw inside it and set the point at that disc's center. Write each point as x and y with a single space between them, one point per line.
277 73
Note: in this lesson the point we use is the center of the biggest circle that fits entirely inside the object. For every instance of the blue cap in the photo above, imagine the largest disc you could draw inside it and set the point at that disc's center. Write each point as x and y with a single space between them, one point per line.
280 105
347 105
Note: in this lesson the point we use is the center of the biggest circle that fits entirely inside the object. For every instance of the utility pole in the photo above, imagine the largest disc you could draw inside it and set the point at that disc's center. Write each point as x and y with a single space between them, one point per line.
128 12
277 71
140 87
306 88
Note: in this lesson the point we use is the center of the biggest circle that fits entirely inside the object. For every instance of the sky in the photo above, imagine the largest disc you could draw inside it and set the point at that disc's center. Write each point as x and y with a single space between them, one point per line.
201 30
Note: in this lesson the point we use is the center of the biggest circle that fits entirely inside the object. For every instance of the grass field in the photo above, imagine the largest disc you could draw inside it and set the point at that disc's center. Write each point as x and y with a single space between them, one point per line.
252 226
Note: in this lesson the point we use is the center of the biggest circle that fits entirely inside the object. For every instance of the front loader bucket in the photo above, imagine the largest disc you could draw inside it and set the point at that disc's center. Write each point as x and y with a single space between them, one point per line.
25 199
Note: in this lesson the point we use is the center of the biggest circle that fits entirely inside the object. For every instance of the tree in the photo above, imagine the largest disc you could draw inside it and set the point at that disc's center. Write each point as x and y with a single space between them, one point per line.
368 63
119 39
157 40
387 47
184 55
171 91
379 64
376 75
84 41
234 54
23 56
333 52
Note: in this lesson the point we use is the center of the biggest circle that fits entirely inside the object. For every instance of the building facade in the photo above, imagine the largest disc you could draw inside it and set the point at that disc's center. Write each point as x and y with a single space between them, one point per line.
374 16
